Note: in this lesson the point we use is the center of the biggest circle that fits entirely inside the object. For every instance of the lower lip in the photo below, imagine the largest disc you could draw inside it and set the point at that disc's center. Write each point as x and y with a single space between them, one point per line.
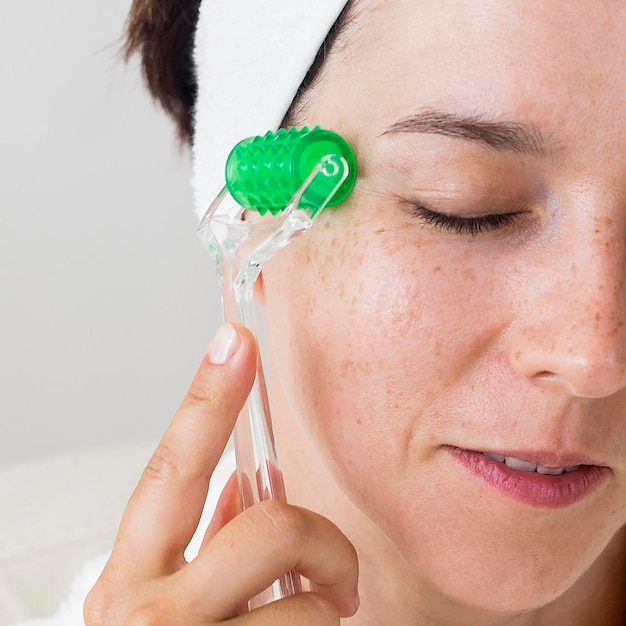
540 490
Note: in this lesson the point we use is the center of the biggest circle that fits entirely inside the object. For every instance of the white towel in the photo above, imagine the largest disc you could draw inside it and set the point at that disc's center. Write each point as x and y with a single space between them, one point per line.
251 56
70 613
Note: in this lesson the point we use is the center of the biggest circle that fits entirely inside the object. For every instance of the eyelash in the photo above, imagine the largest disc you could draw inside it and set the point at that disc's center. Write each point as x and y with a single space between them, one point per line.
463 225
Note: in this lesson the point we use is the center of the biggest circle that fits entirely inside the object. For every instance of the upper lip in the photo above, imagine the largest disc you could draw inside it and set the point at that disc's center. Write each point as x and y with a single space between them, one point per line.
547 458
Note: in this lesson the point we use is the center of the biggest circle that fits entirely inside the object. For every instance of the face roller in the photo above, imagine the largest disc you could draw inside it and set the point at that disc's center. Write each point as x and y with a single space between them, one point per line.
288 178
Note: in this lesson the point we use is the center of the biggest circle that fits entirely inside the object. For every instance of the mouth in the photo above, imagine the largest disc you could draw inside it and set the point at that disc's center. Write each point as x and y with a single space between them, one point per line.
524 465
543 480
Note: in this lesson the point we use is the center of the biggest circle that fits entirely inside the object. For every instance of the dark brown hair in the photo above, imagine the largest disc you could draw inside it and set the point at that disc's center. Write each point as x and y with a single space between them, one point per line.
161 32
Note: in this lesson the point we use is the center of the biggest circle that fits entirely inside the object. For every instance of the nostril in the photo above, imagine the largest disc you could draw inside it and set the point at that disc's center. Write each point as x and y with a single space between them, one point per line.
545 375
549 378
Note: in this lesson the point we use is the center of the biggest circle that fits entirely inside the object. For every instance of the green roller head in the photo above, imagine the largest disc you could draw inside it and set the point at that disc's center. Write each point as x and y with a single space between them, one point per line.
264 173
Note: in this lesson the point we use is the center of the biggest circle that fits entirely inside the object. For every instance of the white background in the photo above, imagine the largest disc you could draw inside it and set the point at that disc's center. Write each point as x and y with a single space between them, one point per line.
107 298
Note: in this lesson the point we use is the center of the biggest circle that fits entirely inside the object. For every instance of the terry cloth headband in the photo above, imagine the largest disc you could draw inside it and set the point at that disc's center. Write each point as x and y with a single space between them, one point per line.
251 56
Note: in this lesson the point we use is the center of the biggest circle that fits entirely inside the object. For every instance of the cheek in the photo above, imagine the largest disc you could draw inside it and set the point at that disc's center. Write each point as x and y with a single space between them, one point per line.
386 346
366 334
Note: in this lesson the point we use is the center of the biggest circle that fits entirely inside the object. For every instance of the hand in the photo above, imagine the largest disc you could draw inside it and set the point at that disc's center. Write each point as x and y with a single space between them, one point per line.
147 580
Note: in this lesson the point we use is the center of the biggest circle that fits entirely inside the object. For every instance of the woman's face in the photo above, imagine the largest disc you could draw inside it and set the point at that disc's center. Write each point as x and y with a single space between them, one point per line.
470 296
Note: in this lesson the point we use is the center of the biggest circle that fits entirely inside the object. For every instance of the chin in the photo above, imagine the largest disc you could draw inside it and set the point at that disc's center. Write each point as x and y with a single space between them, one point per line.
494 587
509 594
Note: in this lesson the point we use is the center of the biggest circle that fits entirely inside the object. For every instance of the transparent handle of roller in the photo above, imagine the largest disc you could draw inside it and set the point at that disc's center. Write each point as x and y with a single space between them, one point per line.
315 172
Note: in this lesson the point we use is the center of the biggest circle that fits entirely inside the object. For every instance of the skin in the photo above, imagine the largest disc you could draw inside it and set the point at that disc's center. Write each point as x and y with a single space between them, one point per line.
397 338
392 339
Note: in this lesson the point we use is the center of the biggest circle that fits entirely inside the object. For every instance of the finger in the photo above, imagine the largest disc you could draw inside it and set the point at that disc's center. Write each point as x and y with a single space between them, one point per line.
305 609
228 507
165 508
260 545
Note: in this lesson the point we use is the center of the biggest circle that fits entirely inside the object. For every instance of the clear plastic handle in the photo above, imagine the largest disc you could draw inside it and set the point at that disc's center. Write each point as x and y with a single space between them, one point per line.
241 248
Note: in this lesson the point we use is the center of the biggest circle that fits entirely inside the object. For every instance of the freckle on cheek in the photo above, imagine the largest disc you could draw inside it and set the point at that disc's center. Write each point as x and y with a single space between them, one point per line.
347 367
469 275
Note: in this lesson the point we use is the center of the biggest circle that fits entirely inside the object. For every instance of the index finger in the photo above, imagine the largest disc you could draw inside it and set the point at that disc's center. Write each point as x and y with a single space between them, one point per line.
164 510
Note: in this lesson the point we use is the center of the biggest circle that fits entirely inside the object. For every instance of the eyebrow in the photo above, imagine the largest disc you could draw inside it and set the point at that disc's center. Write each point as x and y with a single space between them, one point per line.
512 136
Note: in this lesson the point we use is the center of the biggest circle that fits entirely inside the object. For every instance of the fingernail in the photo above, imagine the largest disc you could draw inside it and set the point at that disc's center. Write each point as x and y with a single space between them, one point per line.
224 344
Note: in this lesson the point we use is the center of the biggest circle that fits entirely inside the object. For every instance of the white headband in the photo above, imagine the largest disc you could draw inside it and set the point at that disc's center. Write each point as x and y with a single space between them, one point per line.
251 56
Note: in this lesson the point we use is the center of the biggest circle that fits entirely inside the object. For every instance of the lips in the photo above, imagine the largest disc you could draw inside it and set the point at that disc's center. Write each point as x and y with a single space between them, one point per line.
537 479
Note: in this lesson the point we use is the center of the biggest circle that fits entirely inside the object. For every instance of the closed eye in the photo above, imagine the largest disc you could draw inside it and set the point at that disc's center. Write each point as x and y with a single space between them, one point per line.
463 225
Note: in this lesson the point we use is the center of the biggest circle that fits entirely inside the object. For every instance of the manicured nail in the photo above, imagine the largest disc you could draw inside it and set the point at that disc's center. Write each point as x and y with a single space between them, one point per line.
224 344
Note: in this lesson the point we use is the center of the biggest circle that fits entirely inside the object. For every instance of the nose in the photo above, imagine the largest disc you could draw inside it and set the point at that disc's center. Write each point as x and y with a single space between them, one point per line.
570 330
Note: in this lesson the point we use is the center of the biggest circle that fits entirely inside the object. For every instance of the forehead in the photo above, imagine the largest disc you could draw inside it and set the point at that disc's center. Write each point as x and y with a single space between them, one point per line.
506 58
